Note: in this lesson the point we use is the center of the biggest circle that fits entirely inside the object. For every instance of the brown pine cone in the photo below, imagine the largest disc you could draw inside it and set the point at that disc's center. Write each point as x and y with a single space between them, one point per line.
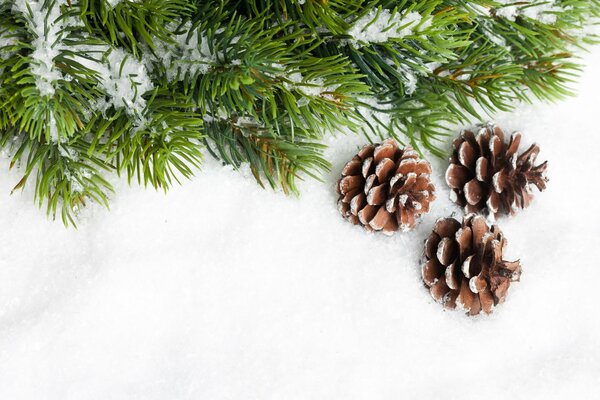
464 265
487 175
385 188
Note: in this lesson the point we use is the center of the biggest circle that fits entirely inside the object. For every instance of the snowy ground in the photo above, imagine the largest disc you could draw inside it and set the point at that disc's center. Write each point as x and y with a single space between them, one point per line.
220 290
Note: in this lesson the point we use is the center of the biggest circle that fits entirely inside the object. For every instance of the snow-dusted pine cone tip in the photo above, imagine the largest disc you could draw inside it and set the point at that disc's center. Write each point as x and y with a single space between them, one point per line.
486 174
385 188
464 265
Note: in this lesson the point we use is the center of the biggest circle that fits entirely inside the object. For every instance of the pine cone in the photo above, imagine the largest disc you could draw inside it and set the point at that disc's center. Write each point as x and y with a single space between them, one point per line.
385 188
465 266
487 175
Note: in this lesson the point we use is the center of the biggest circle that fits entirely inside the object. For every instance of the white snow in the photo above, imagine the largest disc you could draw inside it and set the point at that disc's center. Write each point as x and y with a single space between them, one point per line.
45 24
5 41
380 26
124 79
221 290
113 3
308 87
543 11
4 52
411 80
188 56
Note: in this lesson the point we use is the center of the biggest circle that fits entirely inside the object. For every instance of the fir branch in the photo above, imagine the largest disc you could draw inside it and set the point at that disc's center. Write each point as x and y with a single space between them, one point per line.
140 88
157 149
133 24
273 156
65 175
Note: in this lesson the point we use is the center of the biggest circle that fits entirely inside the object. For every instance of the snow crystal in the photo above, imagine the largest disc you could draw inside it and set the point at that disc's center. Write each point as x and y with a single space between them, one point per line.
67 151
508 12
308 87
44 23
313 87
53 134
247 121
190 55
293 78
302 101
5 42
125 80
541 11
496 39
410 78
114 3
379 26
220 114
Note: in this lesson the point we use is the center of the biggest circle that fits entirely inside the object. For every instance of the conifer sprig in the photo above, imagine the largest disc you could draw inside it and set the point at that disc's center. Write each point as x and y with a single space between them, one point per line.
144 87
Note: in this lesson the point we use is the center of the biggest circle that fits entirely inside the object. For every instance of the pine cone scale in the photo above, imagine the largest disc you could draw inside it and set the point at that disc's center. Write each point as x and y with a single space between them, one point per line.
377 195
467 155
357 203
431 271
352 168
486 300
457 176
482 169
385 150
367 214
477 284
366 166
474 192
384 169
513 145
350 184
431 245
446 251
465 297
446 227
452 276
366 152
464 239
439 289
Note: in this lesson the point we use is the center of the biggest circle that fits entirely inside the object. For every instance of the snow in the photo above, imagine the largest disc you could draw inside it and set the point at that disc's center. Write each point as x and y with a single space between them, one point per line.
380 26
222 290
308 87
189 56
123 79
543 11
5 42
113 3
45 24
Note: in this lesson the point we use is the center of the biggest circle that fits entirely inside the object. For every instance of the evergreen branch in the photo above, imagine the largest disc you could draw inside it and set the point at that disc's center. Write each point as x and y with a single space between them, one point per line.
65 175
140 88
274 156
133 24
157 149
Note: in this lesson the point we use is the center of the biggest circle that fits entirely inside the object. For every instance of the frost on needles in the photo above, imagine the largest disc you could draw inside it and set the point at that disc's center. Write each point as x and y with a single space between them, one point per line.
146 87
